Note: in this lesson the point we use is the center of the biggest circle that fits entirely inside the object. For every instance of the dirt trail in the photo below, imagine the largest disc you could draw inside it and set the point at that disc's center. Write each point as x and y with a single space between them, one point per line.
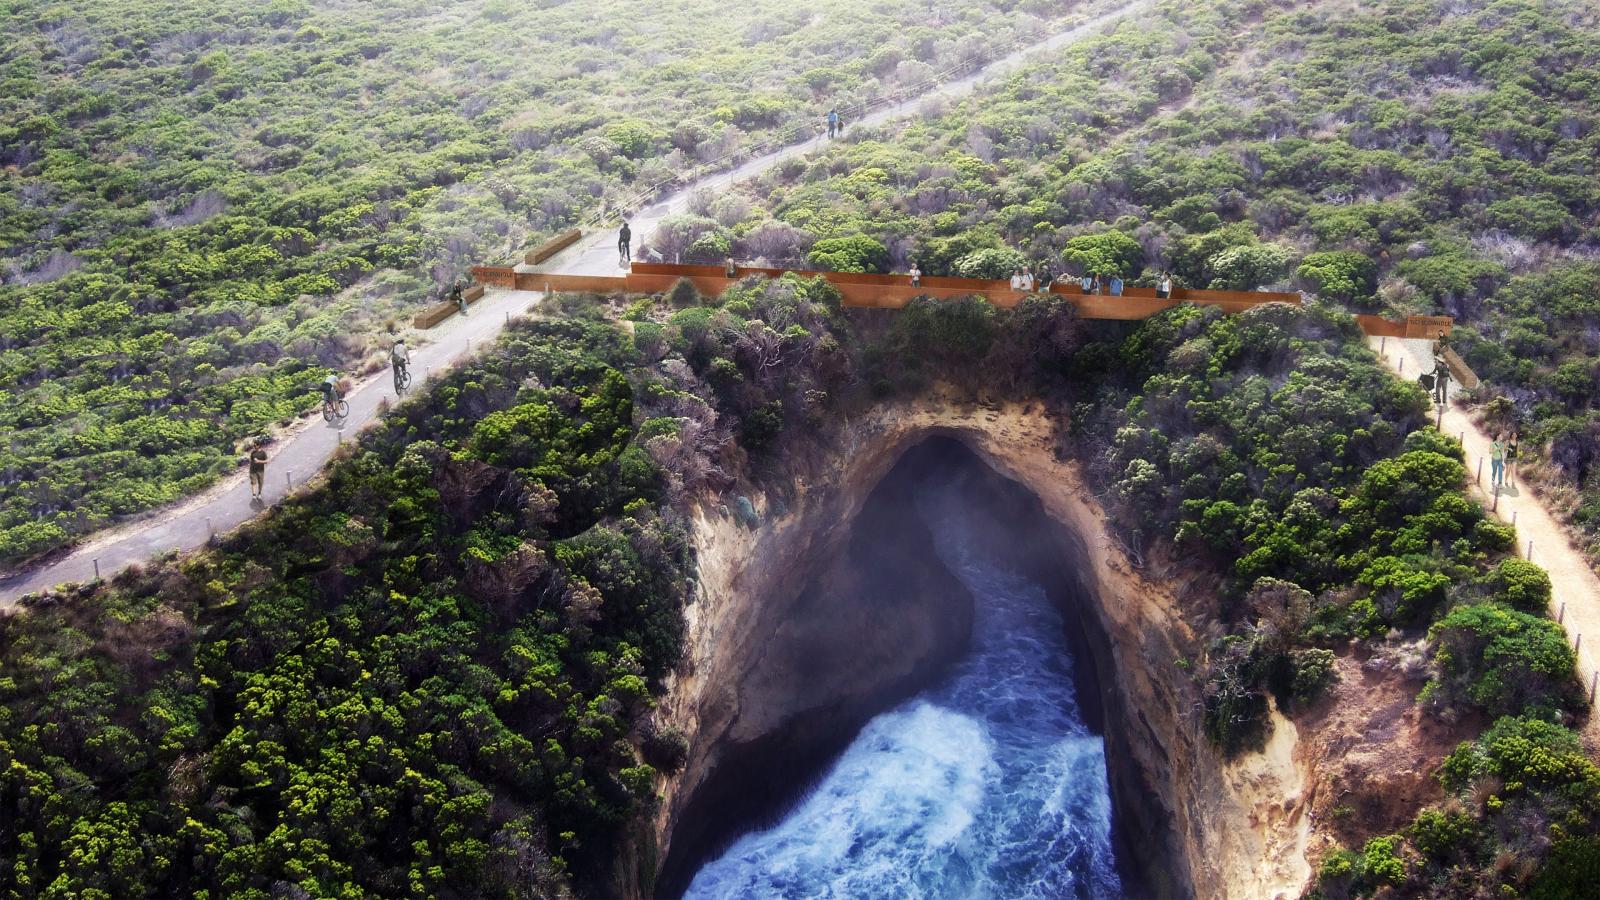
302 454
1540 538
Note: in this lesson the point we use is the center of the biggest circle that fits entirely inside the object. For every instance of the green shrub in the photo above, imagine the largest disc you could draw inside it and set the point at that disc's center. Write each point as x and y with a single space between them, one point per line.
1521 585
1105 254
1339 275
856 253
1502 660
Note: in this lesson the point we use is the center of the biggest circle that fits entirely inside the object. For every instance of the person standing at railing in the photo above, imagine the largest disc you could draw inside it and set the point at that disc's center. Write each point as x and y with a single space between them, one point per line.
833 123
916 275
624 239
1116 285
1164 286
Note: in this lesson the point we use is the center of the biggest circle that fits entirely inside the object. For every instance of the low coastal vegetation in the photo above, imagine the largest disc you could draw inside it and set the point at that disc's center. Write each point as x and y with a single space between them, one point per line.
206 207
434 671
1397 157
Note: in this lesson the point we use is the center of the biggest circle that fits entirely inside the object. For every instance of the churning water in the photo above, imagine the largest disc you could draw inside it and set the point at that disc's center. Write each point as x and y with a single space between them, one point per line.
987 785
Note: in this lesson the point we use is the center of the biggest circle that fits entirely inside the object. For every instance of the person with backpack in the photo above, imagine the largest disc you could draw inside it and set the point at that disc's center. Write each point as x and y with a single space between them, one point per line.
258 469
624 242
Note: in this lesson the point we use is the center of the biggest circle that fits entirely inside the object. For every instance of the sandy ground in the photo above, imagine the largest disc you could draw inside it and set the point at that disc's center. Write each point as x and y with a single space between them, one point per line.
1540 538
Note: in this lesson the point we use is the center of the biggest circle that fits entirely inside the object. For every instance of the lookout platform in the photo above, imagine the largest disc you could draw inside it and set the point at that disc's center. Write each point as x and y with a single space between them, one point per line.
864 291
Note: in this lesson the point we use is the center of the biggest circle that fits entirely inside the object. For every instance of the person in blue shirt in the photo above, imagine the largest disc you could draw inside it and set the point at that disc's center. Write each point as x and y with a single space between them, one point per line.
1116 285
1088 283
833 122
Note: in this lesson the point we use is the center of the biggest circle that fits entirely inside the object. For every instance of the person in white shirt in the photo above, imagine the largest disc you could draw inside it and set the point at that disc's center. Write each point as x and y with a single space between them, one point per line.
1016 281
916 276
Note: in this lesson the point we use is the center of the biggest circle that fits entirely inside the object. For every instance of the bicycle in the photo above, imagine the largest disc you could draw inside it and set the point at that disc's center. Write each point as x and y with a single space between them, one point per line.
335 409
402 378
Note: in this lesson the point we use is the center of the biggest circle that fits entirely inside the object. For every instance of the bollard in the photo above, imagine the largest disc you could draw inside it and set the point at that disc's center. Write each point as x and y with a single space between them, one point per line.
1513 518
1594 682
508 317
288 479
97 568
1530 550
1562 615
1478 480
1463 436
1577 645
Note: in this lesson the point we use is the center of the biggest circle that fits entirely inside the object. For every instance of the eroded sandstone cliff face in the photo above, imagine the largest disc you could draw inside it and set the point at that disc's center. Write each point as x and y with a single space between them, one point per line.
783 664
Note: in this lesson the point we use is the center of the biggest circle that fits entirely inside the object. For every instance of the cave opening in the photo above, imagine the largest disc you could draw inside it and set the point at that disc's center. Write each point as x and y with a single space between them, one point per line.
979 762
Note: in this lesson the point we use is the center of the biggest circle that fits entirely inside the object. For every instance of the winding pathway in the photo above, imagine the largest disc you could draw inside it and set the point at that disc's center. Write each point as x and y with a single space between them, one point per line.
1575 598
303 453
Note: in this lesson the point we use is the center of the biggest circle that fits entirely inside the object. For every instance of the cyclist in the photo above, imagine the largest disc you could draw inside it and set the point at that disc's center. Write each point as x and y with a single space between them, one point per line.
331 394
399 358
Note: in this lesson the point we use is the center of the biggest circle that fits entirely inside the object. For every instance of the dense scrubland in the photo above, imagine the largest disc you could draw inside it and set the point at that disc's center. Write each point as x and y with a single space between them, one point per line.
1400 156
433 673
205 207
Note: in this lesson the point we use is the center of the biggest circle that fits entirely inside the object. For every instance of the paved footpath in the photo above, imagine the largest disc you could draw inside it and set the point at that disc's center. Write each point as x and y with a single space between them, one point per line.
1576 595
302 454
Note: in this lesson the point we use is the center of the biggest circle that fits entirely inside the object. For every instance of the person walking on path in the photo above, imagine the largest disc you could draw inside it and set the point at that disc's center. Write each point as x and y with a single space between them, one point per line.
1513 450
624 242
1441 375
1497 462
833 124
258 469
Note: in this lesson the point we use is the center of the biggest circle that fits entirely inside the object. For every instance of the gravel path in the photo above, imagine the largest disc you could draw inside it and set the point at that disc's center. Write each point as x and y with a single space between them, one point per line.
1540 538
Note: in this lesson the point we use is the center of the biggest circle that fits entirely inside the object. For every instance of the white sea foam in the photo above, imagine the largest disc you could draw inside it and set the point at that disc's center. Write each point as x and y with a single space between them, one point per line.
987 785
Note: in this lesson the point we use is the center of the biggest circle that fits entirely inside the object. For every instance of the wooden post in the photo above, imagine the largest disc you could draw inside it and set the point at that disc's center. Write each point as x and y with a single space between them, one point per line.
1478 480
1594 681
1577 645
288 479
1530 550
1562 615
209 530
1495 506
1513 518
97 568
1383 345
